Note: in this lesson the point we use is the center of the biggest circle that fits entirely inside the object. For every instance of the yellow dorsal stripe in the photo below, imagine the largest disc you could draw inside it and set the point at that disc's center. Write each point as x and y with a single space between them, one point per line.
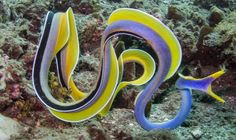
63 33
155 24
102 100
140 57
72 56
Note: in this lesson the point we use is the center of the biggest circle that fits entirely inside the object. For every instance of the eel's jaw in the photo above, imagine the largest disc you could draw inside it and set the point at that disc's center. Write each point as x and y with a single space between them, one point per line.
212 94
202 84
209 89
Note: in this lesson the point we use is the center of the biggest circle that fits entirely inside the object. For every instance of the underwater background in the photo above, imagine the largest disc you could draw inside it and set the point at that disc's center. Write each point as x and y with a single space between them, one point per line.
206 31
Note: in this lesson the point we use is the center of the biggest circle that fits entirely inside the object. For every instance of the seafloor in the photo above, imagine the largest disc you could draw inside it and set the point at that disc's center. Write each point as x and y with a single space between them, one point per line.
206 30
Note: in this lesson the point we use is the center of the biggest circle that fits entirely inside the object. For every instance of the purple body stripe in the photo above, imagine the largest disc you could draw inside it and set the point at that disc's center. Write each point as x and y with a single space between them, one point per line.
163 53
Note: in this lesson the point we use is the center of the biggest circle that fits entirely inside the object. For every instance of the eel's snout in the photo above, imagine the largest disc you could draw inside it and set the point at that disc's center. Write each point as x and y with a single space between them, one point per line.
202 84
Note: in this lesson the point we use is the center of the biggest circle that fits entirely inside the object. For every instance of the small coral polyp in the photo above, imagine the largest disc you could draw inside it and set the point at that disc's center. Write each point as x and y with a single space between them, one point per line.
60 41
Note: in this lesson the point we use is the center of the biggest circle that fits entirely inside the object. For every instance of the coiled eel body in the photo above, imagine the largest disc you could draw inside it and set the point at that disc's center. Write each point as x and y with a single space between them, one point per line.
60 41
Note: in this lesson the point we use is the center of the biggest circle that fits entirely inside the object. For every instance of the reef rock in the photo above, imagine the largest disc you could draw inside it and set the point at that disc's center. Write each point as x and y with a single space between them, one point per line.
224 37
174 13
9 128
216 15
196 133
209 3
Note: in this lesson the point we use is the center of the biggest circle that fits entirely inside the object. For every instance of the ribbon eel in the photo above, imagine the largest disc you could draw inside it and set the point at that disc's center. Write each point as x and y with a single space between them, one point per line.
60 41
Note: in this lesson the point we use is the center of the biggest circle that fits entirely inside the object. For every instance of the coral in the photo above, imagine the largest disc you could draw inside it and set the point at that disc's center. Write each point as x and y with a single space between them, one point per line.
88 63
96 132
2 73
218 3
85 8
60 93
126 98
115 0
136 4
205 30
86 80
224 37
174 13
186 21
11 73
80 6
216 15
5 12
91 35
86 73
28 59
10 41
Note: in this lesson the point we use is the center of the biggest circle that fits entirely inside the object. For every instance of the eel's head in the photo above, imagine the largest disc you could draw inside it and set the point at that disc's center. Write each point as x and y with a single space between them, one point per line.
202 84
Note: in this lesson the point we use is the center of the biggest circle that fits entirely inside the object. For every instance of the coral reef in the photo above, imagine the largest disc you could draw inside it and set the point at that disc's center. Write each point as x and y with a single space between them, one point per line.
206 31
120 124
224 37
222 3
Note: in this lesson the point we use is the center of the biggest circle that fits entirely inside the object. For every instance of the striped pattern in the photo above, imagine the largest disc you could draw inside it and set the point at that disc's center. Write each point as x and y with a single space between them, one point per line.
60 40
